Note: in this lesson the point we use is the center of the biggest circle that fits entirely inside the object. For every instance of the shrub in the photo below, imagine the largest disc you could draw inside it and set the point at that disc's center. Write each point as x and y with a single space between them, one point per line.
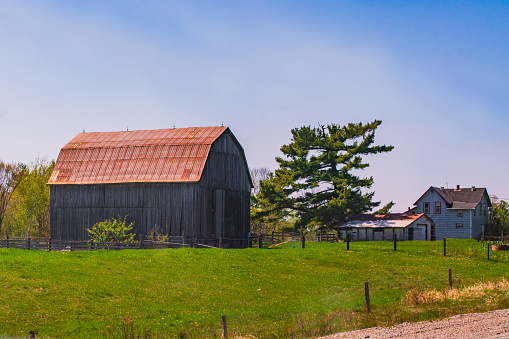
112 230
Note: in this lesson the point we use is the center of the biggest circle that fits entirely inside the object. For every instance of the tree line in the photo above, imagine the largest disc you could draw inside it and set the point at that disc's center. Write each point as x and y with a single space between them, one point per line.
317 185
25 198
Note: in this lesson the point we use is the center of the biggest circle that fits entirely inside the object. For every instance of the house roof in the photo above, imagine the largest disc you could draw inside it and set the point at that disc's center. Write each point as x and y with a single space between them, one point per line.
164 155
462 198
384 220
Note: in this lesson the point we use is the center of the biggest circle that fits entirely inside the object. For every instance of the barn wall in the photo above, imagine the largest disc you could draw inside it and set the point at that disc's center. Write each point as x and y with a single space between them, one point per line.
174 208
226 173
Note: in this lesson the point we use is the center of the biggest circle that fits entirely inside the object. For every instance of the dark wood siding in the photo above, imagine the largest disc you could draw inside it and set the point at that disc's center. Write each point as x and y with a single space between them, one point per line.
216 206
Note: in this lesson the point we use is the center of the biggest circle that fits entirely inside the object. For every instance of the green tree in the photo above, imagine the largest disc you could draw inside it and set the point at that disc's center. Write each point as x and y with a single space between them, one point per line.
498 220
10 177
386 209
315 180
28 213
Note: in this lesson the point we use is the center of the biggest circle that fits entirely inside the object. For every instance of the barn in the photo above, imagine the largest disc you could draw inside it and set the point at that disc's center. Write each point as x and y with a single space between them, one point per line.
184 181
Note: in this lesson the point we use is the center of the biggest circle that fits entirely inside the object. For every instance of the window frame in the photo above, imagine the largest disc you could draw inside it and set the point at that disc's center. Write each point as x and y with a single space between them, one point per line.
459 213
438 207
426 204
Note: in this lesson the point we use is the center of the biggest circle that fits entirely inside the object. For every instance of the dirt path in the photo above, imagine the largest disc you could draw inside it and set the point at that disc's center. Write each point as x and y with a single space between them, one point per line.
494 324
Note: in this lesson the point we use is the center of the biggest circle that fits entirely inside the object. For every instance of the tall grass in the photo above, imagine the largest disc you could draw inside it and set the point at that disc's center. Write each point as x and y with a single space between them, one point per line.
285 292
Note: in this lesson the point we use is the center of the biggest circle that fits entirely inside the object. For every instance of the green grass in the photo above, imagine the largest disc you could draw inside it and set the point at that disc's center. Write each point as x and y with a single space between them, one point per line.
285 292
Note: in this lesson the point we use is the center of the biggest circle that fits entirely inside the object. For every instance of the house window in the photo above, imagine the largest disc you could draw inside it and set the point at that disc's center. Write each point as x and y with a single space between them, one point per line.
460 213
484 208
459 224
438 207
426 208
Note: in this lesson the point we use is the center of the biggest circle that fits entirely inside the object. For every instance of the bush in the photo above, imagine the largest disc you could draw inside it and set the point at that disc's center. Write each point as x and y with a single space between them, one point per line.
112 230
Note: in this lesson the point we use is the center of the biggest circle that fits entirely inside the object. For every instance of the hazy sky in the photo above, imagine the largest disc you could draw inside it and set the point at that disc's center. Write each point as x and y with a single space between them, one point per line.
436 74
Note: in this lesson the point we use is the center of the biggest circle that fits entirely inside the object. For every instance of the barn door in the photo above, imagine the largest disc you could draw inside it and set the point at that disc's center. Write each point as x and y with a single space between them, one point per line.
410 234
218 213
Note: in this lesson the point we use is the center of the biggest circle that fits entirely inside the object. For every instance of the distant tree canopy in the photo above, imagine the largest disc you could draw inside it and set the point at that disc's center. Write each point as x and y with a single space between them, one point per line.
498 220
27 213
315 182
10 177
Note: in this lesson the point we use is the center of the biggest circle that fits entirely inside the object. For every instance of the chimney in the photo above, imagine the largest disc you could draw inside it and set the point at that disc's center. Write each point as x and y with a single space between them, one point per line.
458 187
473 188
442 188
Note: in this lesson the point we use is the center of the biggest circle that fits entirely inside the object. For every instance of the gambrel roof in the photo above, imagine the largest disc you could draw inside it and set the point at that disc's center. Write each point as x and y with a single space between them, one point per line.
164 155
460 198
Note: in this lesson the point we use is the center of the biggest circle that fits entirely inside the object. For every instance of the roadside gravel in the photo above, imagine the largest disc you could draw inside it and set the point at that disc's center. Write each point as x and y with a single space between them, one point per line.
494 324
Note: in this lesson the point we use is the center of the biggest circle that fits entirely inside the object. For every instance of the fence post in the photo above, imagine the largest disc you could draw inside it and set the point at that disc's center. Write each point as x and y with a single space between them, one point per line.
450 279
220 245
49 245
366 294
272 240
444 246
347 241
28 243
7 241
183 239
395 240
303 241
225 329
260 242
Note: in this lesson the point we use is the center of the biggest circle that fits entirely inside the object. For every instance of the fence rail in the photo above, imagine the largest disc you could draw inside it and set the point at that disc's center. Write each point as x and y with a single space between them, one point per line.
495 240
44 244
274 238
263 240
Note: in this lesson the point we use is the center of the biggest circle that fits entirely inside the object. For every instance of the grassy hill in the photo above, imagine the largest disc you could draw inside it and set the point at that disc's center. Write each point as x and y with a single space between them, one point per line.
285 292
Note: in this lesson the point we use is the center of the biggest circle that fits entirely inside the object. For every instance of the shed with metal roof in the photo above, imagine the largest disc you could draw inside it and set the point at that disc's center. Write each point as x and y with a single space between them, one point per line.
185 181
375 227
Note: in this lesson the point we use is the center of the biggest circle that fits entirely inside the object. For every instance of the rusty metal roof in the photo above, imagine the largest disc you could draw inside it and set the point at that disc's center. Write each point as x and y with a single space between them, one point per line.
384 220
164 155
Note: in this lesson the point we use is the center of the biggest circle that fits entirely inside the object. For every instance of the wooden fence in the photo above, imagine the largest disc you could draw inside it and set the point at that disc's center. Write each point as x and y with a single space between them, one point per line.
262 241
273 238
495 240
44 244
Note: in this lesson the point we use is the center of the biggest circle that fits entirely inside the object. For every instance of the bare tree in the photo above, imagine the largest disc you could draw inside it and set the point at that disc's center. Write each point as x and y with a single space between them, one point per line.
10 177
258 174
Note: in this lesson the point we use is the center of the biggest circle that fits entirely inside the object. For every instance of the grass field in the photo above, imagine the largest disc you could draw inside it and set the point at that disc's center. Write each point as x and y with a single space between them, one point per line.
285 292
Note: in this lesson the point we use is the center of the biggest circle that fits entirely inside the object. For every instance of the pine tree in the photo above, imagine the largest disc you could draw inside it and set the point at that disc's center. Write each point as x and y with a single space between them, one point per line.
314 180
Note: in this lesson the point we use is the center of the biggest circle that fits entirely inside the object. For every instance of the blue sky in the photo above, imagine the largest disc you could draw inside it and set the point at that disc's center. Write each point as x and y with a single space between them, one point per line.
435 73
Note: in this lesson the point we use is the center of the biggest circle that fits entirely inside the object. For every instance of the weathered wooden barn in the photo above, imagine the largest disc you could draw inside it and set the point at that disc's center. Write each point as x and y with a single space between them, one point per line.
185 181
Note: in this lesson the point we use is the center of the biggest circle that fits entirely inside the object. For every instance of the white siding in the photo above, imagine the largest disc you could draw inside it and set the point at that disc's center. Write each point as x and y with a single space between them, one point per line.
446 221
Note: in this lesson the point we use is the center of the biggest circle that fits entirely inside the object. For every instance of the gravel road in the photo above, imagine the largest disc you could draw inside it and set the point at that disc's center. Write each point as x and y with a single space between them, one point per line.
494 324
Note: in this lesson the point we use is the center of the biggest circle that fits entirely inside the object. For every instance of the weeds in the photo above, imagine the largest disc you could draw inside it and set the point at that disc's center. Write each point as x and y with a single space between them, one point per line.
417 296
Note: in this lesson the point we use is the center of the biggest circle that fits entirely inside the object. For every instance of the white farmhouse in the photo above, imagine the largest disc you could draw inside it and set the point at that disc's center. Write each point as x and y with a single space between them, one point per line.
456 213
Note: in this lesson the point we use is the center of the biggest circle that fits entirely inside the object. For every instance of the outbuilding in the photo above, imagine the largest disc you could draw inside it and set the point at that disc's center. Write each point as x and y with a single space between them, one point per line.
380 227
184 181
